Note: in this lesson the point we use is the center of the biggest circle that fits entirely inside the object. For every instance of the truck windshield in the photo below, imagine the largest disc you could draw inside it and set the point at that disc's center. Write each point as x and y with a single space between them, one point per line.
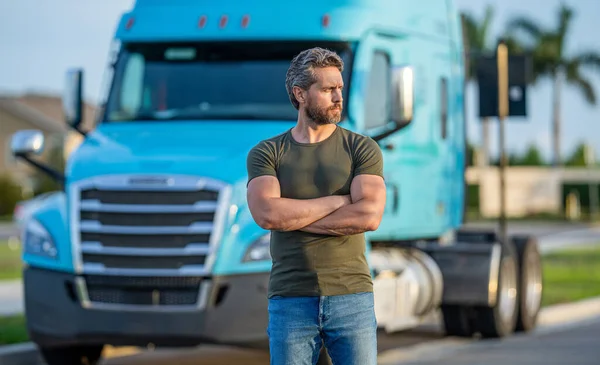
216 80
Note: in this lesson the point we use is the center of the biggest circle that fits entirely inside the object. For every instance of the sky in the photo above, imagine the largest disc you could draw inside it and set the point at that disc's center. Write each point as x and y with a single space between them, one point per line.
41 39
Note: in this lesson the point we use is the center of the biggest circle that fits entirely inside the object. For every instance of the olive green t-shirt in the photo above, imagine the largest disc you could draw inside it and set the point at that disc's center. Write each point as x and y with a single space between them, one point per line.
309 264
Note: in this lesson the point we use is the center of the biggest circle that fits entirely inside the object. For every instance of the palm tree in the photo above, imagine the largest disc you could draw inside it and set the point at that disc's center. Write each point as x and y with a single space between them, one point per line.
476 34
550 60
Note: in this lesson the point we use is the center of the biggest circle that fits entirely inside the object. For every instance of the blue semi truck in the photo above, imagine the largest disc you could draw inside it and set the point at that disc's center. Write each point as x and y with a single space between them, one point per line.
152 241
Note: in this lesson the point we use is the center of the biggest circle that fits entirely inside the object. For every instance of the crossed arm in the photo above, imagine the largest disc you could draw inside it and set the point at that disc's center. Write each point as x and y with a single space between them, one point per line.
331 215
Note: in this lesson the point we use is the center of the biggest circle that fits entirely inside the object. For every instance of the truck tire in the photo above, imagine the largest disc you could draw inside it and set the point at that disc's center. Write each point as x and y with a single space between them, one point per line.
530 281
72 355
457 321
500 320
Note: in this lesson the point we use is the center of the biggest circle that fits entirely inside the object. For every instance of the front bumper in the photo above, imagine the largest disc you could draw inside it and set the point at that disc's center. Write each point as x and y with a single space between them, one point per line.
233 310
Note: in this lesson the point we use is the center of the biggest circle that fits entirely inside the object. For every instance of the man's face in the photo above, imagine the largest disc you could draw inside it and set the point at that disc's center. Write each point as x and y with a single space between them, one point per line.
324 98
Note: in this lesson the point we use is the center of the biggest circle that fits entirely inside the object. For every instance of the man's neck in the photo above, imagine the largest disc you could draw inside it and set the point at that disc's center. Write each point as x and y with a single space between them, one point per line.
307 131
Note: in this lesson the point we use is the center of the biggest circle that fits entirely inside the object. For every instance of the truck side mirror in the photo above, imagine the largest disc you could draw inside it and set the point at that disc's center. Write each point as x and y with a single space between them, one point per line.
27 142
403 94
72 98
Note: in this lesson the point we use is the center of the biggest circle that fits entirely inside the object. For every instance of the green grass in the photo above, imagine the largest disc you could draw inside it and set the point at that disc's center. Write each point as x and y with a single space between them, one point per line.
13 330
10 261
571 275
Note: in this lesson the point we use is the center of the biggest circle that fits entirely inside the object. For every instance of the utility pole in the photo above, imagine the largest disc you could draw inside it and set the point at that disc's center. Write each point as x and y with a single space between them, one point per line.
592 186
502 60
495 75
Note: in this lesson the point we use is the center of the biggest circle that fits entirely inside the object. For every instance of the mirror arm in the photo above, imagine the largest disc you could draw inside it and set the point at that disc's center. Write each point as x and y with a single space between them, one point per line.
383 135
47 170
80 131
379 137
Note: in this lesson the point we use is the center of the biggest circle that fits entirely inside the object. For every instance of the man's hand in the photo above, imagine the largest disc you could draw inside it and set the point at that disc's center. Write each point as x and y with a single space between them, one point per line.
368 195
272 212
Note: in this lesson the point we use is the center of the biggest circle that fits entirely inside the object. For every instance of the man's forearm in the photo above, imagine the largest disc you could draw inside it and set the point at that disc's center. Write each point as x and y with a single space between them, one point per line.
356 218
285 214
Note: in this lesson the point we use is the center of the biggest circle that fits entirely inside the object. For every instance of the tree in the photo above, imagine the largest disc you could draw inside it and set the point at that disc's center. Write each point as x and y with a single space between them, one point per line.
531 157
550 60
470 154
10 194
577 158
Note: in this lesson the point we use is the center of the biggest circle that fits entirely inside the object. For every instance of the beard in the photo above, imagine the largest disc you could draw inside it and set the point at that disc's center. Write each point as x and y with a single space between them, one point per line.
323 116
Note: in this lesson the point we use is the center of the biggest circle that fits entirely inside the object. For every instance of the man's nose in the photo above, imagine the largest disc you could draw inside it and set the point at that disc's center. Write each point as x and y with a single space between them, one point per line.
337 96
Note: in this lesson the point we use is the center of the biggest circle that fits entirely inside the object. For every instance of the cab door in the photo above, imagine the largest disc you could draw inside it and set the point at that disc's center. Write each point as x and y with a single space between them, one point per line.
370 108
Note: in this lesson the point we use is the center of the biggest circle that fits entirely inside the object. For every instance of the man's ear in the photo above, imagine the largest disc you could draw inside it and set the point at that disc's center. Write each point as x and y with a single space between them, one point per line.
300 94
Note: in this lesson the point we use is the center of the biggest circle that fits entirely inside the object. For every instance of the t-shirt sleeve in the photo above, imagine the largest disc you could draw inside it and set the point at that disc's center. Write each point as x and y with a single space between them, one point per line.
260 161
368 158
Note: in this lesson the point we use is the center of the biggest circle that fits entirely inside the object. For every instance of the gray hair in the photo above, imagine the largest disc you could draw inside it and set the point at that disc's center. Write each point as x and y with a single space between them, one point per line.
301 71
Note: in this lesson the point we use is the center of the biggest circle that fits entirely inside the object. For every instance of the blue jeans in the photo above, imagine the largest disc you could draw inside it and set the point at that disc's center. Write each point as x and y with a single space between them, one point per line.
345 324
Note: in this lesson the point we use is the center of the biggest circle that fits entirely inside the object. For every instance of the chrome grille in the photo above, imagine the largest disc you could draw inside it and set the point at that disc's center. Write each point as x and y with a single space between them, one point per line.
146 226
131 290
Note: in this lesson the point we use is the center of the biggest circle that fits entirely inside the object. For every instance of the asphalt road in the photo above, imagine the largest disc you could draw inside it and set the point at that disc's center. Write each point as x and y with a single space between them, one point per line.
573 346
577 345
219 355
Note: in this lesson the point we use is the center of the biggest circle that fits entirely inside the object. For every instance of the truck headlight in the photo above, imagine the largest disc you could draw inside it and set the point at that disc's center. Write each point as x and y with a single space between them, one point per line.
259 250
37 240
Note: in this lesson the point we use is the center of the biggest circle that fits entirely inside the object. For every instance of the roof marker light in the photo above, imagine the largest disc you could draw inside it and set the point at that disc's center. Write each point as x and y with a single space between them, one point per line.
129 24
223 21
202 21
245 21
325 21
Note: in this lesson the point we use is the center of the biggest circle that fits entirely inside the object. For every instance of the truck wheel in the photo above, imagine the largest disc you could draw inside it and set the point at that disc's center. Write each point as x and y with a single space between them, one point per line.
73 355
500 320
457 321
530 281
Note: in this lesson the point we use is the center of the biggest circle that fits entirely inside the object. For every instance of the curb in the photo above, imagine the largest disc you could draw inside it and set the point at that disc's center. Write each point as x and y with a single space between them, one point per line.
20 354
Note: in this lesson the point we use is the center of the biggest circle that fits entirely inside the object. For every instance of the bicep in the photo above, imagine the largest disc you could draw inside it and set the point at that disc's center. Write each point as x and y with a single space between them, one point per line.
260 190
370 188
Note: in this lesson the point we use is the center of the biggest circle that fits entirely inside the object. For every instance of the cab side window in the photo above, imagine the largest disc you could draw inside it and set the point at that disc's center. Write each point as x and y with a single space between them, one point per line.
378 96
444 107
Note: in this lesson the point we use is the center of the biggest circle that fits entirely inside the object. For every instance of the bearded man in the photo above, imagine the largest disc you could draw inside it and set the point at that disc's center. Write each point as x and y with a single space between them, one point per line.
318 188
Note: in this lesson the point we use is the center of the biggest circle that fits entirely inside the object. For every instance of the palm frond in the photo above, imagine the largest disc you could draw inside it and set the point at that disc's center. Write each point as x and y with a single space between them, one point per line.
525 24
588 59
565 15
485 26
584 86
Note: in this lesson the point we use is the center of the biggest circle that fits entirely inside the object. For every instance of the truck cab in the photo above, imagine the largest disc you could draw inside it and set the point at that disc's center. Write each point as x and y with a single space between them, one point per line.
152 241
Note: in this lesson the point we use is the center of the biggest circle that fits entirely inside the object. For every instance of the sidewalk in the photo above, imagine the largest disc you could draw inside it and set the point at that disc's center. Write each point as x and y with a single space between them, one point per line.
11 297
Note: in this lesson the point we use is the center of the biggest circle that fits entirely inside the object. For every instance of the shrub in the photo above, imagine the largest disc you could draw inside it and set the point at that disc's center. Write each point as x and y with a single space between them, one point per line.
10 194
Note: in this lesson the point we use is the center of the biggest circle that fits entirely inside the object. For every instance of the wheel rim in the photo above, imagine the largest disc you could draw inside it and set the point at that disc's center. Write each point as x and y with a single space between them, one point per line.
508 290
533 291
